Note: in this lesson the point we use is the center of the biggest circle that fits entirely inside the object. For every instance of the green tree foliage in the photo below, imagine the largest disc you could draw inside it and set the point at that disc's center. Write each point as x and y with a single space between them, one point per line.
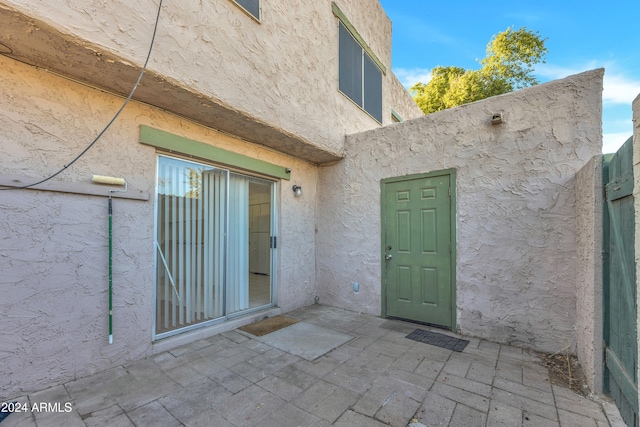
508 66
193 180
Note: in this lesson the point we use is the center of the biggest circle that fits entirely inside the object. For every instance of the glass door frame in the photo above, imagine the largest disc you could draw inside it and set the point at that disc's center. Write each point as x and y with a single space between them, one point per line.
273 248
272 251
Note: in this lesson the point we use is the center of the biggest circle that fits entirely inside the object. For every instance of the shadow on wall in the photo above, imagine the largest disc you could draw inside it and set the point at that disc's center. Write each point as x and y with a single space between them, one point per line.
515 276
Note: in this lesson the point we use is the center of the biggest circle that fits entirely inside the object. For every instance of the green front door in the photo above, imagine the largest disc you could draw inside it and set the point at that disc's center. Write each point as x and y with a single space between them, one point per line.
417 248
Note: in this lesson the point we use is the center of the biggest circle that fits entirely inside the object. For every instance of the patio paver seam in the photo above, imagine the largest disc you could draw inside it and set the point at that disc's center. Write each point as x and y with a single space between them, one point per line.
387 383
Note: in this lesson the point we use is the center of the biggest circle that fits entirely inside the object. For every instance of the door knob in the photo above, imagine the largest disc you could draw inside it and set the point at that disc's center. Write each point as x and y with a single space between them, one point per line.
388 256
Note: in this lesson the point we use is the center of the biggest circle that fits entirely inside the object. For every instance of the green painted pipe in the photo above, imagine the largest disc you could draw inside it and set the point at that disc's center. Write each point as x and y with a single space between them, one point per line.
108 180
110 270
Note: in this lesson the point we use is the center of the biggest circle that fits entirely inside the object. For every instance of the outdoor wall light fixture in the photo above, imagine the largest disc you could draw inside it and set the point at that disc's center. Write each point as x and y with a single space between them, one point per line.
496 119
297 190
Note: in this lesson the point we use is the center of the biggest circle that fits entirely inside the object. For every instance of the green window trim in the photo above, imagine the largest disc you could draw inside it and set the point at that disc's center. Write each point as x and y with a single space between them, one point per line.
178 144
345 21
396 116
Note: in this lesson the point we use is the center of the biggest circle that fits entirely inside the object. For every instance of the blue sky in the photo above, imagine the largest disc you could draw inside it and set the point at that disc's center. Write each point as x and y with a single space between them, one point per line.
582 35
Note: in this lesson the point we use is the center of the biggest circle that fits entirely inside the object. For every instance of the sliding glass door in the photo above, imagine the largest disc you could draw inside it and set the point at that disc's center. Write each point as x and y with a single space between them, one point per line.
213 244
260 242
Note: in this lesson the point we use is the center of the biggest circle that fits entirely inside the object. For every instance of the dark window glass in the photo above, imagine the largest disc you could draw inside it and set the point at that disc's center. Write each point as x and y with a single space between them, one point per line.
359 77
350 65
372 89
251 6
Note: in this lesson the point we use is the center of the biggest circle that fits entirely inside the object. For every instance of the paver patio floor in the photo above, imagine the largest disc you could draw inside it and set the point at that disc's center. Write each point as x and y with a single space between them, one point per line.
378 378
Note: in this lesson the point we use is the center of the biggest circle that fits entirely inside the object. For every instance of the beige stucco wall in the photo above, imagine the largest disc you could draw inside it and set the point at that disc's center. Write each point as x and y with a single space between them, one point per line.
53 246
398 94
636 196
589 310
214 63
516 209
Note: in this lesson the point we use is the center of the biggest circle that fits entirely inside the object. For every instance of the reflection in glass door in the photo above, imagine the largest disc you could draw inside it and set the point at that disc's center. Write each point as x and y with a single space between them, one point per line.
213 245
260 242
189 244
249 243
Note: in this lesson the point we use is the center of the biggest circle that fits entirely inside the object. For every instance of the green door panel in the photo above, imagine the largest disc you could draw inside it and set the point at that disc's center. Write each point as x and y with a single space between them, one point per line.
417 241
620 311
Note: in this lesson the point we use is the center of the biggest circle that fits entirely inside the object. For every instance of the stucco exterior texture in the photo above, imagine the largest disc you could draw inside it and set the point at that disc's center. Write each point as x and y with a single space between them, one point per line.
519 254
526 245
54 253
271 82
265 89
636 196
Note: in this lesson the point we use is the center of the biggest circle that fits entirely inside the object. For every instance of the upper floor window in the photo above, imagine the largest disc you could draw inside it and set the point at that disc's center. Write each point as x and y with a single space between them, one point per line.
252 7
360 72
395 117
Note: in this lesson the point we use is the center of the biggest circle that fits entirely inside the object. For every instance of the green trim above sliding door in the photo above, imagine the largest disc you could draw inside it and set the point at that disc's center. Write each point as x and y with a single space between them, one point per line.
178 144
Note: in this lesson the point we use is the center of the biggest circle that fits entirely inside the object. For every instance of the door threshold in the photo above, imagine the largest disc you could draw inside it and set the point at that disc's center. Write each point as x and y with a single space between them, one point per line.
433 325
187 337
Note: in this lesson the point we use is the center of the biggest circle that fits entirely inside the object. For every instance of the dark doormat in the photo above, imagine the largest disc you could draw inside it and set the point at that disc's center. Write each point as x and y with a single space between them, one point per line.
4 410
269 325
439 340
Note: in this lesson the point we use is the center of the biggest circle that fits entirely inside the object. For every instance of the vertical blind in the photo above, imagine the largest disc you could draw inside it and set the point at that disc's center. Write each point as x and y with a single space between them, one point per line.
191 212
202 243
238 260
